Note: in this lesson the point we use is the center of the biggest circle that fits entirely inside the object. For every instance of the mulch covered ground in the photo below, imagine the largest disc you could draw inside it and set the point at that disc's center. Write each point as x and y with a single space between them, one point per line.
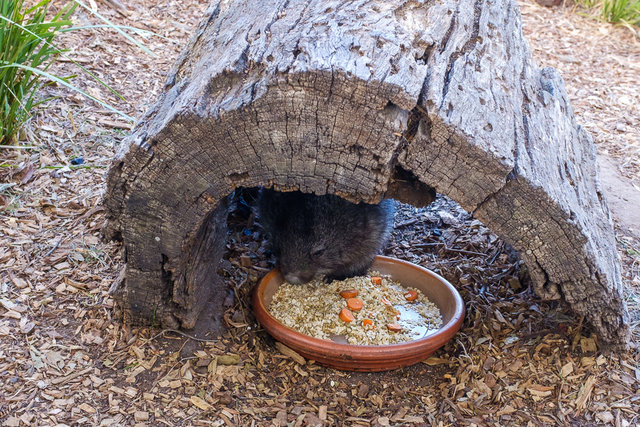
66 358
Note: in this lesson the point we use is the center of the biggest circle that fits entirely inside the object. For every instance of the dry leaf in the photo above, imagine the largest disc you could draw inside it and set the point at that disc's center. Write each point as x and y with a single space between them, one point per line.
588 345
228 359
433 361
87 408
566 369
507 409
26 173
584 393
413 419
141 416
200 403
289 352
538 393
26 326
12 315
322 412
606 417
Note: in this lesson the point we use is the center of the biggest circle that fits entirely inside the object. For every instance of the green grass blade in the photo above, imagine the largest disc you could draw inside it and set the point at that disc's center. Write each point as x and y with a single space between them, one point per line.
41 57
141 32
125 35
70 86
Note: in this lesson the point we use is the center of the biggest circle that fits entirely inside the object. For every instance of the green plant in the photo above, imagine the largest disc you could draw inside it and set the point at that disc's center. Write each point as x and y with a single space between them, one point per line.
589 4
26 51
621 11
625 12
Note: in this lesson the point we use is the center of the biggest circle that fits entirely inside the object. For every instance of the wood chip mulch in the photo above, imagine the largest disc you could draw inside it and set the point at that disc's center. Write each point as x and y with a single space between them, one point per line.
66 358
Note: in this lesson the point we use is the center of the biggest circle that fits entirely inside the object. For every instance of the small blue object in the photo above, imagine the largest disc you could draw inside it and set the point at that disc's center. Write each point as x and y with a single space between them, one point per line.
247 232
77 161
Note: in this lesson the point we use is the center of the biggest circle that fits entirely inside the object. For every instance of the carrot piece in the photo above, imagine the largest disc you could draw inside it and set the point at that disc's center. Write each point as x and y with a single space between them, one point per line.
366 322
394 327
354 304
376 280
411 295
349 293
346 315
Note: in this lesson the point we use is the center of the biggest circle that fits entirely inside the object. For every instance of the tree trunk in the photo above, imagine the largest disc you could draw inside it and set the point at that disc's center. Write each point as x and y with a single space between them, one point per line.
361 99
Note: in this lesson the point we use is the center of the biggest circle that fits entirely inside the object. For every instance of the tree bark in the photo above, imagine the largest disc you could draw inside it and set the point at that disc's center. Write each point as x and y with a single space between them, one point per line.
361 99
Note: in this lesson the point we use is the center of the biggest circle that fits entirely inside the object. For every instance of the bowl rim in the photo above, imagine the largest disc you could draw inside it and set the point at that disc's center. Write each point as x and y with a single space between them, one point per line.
328 348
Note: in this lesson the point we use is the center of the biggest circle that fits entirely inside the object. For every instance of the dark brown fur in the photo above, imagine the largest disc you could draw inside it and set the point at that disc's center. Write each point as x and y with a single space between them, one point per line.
313 236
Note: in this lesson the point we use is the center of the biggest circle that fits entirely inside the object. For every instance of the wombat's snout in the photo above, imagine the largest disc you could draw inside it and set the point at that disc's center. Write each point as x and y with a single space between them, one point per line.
299 277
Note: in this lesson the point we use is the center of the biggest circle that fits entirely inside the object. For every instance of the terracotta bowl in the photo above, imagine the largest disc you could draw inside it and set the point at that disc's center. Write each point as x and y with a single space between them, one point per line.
370 357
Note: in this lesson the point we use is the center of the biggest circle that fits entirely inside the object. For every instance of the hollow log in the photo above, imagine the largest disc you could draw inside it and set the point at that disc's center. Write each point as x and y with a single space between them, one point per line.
362 99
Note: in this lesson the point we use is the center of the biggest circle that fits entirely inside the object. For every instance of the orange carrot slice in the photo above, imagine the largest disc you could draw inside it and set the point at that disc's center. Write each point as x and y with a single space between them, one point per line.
411 295
394 327
349 293
354 304
376 280
346 315
366 322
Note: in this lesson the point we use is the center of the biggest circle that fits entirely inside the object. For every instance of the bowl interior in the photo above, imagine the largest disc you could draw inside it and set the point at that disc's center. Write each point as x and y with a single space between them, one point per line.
434 287
370 358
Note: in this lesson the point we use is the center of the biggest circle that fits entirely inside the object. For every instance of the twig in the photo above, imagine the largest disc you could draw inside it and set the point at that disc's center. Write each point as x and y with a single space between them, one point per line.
493 258
454 407
407 223
446 248
19 147
119 7
181 333
464 251
425 245
73 167
465 350
66 379
53 248
529 417
160 376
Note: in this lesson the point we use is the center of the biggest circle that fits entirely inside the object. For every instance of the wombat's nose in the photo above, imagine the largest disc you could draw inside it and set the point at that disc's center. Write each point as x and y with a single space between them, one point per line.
298 277
292 278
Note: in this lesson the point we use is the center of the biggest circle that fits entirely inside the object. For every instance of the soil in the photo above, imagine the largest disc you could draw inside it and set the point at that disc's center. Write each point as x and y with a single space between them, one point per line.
67 359
622 195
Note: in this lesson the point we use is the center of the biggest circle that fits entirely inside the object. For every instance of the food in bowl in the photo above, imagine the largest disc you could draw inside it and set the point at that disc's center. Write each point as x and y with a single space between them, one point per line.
362 310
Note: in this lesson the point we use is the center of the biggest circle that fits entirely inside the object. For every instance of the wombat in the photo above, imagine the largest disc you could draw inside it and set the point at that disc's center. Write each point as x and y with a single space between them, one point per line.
314 236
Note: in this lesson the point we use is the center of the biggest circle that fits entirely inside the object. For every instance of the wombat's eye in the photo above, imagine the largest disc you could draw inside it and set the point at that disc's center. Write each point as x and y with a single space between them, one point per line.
316 252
